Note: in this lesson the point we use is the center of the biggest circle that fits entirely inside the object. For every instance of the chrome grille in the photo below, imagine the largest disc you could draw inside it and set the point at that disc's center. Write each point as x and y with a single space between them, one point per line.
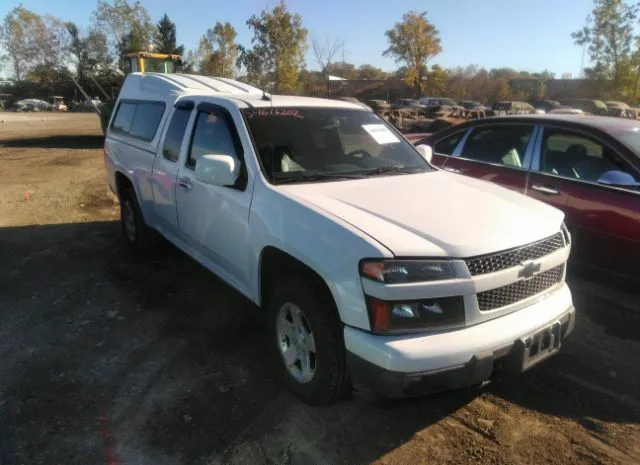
510 258
520 290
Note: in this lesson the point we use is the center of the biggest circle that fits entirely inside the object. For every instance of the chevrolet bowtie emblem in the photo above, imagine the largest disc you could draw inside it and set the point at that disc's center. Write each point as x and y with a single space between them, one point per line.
529 269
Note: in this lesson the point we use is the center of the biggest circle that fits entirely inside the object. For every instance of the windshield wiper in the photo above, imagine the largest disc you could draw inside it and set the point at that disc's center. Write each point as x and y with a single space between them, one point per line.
310 176
400 169
314 176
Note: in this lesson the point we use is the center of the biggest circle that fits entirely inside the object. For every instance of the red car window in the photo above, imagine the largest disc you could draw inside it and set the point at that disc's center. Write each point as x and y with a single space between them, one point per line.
504 145
574 156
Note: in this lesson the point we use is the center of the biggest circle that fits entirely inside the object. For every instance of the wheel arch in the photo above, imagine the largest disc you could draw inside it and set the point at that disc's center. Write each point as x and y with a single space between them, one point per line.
122 183
276 264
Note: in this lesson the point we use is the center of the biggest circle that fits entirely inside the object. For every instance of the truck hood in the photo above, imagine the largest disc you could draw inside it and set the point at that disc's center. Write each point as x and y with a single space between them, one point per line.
435 214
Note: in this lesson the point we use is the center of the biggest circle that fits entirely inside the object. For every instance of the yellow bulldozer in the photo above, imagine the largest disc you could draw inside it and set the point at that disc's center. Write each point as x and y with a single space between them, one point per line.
147 62
136 62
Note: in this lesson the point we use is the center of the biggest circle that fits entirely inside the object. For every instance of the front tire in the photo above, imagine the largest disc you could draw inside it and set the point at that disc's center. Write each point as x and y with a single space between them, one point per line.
306 334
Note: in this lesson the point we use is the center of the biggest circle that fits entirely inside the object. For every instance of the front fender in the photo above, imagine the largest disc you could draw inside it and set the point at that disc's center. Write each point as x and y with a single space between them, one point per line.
327 245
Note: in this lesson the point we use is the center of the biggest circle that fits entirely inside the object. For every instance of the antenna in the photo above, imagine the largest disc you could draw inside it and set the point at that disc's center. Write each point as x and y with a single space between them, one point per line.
265 97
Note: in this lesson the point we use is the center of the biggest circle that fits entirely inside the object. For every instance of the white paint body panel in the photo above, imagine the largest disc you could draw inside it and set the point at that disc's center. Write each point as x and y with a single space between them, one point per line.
435 214
332 226
422 353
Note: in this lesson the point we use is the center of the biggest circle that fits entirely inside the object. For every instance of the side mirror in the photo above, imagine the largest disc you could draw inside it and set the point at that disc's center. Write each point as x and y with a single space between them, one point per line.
618 178
217 170
425 151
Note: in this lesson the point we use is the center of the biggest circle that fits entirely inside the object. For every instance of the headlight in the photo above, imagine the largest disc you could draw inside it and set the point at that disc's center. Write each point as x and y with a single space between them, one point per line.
409 316
406 271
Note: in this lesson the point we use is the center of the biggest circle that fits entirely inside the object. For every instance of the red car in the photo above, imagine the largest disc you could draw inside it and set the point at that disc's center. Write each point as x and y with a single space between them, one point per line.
587 166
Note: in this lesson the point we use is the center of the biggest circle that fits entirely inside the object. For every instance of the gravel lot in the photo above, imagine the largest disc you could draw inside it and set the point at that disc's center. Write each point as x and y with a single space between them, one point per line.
109 359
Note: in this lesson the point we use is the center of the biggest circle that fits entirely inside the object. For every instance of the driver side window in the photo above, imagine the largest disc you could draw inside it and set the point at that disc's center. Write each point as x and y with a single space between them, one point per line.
572 155
213 134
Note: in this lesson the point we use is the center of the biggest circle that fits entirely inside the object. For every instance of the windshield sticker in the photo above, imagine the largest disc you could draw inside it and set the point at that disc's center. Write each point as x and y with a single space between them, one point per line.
380 133
290 112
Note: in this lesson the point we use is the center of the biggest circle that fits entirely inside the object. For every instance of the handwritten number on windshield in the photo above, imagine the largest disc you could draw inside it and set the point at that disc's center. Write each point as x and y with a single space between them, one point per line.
262 112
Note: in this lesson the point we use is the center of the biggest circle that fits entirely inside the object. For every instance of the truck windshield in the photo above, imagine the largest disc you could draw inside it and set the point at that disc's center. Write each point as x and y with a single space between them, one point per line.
321 144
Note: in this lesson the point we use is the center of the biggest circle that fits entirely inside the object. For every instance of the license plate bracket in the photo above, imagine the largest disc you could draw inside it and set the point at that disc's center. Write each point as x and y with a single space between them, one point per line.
541 345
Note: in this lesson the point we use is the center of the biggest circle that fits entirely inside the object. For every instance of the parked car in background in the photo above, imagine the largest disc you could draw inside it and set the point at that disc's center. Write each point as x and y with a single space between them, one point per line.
587 166
615 104
324 216
620 110
547 105
431 101
408 119
408 103
32 104
594 107
379 105
629 113
470 105
512 108
431 119
566 111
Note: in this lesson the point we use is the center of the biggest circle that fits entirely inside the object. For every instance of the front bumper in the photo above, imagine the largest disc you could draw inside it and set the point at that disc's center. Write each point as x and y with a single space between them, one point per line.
398 366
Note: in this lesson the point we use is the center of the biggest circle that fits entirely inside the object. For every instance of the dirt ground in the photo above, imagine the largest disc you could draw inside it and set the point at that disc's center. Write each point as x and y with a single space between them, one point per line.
109 359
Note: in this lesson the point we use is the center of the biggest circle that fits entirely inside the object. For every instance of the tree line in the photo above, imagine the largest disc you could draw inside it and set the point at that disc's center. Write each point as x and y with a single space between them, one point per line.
613 46
45 49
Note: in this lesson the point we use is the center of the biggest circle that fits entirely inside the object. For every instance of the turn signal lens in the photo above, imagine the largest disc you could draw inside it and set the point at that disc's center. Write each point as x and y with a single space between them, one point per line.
380 314
412 316
373 270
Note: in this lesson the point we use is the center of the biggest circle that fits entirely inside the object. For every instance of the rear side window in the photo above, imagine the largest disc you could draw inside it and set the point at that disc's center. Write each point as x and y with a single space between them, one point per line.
124 117
175 134
138 119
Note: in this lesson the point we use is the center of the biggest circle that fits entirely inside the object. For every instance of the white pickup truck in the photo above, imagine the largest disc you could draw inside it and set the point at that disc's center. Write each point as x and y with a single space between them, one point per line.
375 268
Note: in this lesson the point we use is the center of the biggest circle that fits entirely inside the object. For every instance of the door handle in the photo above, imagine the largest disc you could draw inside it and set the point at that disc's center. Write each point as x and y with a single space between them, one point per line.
545 189
453 170
185 183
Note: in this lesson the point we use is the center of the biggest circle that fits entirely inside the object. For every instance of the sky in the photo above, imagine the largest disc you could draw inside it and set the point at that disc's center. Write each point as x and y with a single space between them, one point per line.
530 35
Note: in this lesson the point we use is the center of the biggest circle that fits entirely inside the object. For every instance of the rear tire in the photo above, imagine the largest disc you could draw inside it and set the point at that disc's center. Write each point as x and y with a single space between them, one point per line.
136 234
306 336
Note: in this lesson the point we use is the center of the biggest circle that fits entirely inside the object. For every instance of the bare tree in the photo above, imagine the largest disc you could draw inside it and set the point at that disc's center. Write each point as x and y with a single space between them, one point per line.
324 53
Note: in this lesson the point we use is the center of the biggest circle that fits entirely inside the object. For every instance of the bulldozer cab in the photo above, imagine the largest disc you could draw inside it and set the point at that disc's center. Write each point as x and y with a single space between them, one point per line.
146 62
140 62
